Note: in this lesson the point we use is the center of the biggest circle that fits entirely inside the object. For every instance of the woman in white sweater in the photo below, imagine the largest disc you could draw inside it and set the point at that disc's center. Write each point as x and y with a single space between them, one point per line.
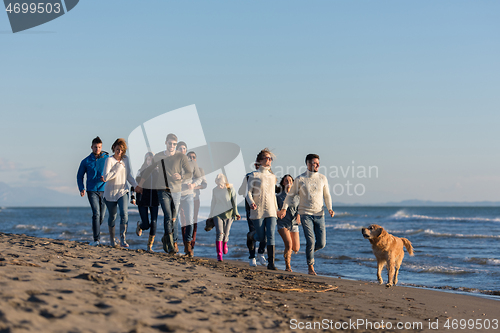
262 201
116 174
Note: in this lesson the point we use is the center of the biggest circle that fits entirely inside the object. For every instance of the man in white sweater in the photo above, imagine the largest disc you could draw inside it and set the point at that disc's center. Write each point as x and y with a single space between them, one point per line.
312 189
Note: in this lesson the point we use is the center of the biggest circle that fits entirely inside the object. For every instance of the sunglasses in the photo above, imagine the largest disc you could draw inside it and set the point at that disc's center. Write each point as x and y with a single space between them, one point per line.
267 158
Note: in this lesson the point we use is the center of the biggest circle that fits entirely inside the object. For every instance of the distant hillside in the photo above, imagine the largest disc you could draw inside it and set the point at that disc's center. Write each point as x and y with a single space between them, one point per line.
37 196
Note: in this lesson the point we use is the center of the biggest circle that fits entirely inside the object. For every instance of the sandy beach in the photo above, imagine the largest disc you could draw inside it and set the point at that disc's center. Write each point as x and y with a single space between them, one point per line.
65 286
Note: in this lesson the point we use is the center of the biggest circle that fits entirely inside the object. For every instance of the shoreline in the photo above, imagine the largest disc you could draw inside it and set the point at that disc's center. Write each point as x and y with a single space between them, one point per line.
72 286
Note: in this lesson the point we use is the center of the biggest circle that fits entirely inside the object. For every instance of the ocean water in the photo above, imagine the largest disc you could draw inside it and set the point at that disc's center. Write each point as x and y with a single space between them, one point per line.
456 248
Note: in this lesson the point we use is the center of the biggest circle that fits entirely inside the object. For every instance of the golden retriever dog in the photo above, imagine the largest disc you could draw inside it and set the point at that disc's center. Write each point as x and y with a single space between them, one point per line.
388 250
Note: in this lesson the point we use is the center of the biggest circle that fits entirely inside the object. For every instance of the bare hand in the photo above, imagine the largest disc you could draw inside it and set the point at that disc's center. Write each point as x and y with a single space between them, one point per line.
177 176
281 213
102 179
133 202
331 212
82 193
298 219
138 189
238 217
253 206
191 186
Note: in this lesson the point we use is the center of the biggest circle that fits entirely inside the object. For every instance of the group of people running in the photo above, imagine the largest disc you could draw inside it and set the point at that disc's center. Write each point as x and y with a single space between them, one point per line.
172 180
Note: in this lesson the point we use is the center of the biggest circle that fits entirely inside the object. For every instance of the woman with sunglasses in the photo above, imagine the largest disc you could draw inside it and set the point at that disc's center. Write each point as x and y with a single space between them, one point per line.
262 201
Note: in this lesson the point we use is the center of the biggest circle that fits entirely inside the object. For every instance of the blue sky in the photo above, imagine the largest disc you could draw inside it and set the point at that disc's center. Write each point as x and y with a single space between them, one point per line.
408 87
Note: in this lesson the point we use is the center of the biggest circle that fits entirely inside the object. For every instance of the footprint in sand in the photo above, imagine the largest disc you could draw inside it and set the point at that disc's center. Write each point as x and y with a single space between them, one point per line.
49 315
102 305
35 299
175 301
168 315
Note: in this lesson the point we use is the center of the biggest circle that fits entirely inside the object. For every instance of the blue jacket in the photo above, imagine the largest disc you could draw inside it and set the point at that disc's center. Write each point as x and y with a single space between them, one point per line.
93 167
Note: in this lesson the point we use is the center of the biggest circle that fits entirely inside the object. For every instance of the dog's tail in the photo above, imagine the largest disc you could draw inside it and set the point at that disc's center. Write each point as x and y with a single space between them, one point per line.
408 245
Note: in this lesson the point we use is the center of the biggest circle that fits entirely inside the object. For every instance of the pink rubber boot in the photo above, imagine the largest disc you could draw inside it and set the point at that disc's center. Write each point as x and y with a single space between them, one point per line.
224 248
218 246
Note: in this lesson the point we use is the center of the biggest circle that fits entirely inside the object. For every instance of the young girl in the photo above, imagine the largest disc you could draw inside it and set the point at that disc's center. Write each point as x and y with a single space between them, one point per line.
116 174
262 201
288 226
224 211
148 200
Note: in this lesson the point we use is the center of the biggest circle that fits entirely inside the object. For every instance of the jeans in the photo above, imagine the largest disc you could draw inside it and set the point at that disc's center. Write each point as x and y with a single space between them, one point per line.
262 244
265 228
315 233
222 228
113 206
170 205
187 206
96 200
145 224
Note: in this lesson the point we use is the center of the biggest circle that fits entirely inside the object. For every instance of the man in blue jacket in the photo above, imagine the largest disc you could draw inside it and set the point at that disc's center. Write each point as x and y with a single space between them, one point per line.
93 166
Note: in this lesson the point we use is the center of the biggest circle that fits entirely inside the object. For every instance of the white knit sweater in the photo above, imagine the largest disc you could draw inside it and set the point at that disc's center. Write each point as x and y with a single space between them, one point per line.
261 191
312 189
116 173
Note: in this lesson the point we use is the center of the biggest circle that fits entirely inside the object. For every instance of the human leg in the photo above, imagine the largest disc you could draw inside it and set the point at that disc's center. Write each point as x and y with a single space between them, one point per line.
195 220
112 211
319 232
144 223
102 207
95 205
123 207
187 205
166 203
251 244
270 223
219 236
152 230
227 228
251 241
176 201
154 220
287 240
308 227
294 235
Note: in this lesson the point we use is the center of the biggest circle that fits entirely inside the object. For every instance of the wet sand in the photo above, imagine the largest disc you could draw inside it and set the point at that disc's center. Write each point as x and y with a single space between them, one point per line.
65 286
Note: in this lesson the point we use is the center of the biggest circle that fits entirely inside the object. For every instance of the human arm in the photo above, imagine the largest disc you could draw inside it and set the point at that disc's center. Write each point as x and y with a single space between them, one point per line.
130 177
203 185
212 204
294 191
144 175
197 176
79 178
249 196
110 170
327 197
132 196
243 187
187 168
236 215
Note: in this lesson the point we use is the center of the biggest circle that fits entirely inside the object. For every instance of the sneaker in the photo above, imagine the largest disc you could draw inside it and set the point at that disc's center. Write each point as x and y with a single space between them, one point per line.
262 259
124 243
96 243
253 262
138 230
